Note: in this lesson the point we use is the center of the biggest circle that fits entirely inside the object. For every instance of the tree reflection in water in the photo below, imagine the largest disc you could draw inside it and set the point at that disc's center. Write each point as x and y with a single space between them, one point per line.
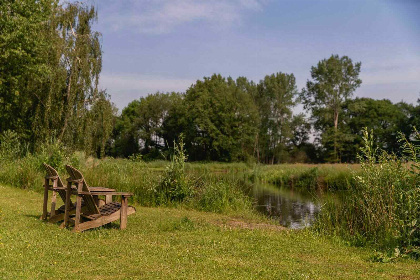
292 209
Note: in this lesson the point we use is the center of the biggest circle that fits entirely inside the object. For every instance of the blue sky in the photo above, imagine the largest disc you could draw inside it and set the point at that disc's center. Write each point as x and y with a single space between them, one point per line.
166 45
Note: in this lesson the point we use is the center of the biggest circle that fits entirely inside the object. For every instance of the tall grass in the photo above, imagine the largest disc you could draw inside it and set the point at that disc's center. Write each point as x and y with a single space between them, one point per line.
331 177
173 183
382 207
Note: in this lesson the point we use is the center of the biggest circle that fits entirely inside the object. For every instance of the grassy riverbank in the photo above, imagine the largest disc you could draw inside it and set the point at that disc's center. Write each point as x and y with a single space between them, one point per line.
171 243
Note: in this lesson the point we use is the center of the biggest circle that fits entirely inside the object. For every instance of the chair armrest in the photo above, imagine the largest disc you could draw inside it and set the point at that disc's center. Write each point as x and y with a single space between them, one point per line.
74 180
106 193
101 189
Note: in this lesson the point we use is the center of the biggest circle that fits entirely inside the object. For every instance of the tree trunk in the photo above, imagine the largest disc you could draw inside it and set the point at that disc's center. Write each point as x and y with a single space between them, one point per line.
68 110
257 148
335 134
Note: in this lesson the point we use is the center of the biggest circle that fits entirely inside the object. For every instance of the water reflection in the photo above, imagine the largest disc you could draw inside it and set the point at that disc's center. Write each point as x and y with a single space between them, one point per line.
291 208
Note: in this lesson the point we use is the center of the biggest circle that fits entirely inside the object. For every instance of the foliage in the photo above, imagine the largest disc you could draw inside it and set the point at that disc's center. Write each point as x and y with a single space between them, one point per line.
221 121
382 116
334 81
143 126
275 99
50 60
10 146
99 124
307 177
222 197
175 186
382 207
23 45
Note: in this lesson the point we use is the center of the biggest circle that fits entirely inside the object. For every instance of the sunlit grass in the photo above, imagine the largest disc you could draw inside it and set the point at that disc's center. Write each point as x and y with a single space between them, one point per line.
169 243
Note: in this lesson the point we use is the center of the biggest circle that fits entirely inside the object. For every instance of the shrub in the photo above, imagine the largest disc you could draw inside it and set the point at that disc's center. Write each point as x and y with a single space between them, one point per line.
10 147
383 206
175 186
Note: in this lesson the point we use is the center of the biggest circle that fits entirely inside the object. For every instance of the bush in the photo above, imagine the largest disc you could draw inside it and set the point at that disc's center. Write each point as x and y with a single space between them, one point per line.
10 147
383 206
174 186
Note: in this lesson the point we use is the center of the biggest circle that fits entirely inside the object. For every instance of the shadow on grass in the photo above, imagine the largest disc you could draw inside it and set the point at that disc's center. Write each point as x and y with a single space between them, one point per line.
104 227
36 217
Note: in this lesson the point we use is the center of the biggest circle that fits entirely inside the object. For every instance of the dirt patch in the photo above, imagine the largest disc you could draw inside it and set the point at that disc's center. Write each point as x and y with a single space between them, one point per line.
233 223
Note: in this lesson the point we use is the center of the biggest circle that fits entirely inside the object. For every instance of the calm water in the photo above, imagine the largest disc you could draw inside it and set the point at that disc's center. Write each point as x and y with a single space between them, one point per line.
291 208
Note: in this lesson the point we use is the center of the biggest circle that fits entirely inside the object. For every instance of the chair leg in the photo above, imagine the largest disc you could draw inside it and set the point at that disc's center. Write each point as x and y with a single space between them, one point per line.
53 203
78 208
67 207
45 206
123 211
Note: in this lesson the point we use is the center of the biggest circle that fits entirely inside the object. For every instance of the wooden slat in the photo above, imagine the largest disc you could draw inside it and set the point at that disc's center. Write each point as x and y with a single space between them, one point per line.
101 189
106 193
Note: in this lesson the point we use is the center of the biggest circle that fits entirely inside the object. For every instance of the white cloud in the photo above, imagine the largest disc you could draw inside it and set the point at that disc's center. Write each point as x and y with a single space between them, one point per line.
163 16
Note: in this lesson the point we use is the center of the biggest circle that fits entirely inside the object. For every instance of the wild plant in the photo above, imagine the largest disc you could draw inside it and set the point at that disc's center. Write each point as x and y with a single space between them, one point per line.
175 186
382 207
10 147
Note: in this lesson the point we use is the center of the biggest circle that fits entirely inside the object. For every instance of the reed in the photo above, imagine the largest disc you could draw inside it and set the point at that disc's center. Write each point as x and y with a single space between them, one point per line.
382 208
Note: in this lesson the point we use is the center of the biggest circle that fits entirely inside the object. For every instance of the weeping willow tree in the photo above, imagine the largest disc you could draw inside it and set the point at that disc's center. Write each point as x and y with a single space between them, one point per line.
57 86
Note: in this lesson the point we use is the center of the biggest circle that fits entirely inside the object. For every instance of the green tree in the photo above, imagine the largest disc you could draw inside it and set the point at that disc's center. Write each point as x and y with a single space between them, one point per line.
152 112
50 60
386 119
334 81
23 45
124 135
222 120
99 125
81 58
141 129
275 99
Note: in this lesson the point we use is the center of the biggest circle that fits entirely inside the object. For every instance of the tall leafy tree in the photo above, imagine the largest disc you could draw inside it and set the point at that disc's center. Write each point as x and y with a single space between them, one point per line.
125 138
81 64
385 118
143 125
222 119
275 98
23 45
334 81
50 60
99 125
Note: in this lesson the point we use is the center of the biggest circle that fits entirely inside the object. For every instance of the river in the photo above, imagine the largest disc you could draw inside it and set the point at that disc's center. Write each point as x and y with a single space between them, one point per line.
291 208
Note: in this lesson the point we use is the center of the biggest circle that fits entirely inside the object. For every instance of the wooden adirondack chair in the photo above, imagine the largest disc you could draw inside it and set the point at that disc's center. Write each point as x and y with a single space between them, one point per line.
93 216
53 183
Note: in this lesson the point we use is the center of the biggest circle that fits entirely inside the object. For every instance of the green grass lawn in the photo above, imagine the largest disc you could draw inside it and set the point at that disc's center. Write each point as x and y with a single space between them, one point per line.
164 243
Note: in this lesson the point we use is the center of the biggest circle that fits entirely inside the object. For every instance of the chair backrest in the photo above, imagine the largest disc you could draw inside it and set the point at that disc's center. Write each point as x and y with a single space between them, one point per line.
52 172
87 198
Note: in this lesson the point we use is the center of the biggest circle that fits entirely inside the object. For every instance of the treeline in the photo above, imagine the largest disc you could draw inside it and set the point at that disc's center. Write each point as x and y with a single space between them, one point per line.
51 59
222 119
